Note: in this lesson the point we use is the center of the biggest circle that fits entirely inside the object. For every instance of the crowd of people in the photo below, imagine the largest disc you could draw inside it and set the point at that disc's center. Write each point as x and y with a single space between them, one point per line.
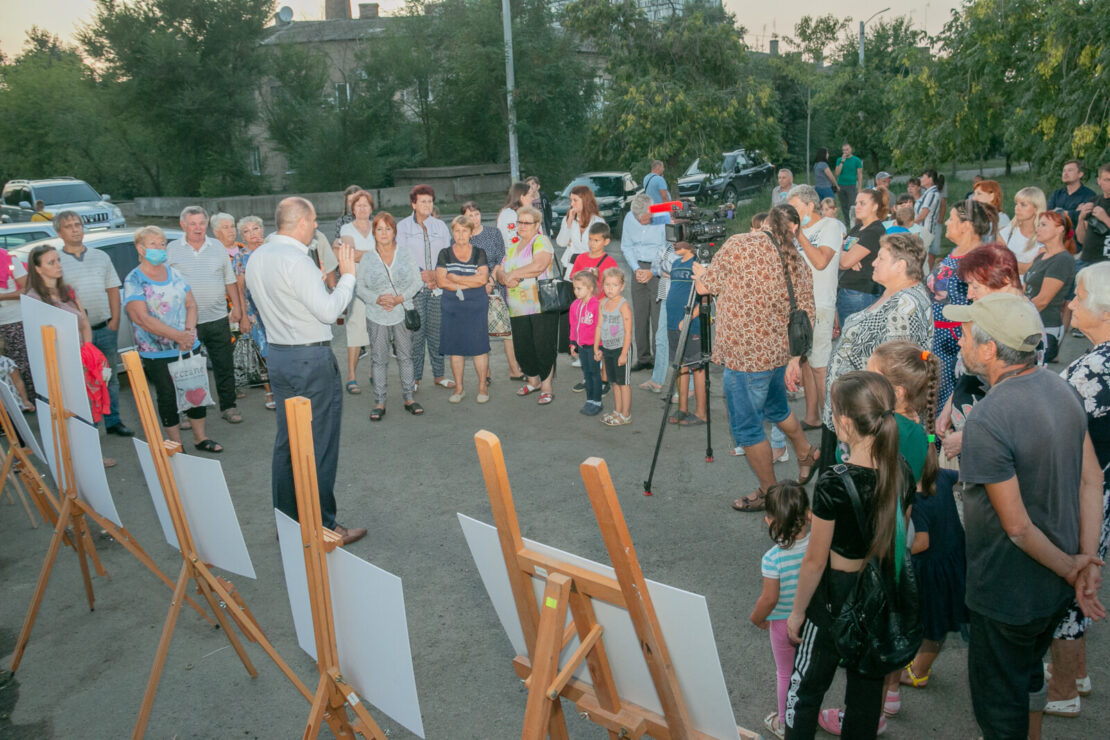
947 446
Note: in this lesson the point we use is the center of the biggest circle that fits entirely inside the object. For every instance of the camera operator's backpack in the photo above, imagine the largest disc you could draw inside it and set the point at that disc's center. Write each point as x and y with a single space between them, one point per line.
798 327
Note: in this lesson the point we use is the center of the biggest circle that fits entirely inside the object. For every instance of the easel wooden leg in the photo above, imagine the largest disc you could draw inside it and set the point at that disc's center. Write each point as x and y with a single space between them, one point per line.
366 724
319 706
163 649
40 586
85 549
543 715
9 470
225 625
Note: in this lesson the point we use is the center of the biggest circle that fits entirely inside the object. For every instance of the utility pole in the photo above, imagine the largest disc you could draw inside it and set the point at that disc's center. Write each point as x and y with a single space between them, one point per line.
510 85
861 25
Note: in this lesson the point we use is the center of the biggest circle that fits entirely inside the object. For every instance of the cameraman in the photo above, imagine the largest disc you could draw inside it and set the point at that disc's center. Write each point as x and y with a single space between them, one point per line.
753 308
1092 230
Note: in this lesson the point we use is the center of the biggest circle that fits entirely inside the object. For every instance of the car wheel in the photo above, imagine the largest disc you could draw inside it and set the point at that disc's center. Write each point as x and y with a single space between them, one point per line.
729 195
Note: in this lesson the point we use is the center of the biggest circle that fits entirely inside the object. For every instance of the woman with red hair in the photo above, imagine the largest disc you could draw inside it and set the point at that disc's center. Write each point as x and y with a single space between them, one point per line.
574 234
989 269
1049 279
990 192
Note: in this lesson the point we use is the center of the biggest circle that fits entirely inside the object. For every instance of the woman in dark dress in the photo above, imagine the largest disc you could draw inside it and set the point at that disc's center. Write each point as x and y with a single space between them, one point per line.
490 241
462 271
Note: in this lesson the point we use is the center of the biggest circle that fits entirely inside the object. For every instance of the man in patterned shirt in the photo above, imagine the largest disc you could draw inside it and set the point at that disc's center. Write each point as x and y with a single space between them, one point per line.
751 342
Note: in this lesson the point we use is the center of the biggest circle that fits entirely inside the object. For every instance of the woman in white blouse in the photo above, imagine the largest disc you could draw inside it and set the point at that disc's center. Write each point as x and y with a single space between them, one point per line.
520 195
1020 235
360 235
574 230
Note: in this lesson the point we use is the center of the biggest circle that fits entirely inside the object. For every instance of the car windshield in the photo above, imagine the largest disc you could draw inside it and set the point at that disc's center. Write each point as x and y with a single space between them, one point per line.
601 187
70 192
718 167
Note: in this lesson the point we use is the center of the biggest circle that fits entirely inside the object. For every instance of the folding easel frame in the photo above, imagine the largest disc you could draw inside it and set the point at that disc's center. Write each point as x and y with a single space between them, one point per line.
23 475
333 693
72 511
571 588
217 592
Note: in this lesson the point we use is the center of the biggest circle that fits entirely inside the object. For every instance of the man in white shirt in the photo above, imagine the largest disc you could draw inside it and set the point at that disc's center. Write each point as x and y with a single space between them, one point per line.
298 311
203 262
94 279
642 241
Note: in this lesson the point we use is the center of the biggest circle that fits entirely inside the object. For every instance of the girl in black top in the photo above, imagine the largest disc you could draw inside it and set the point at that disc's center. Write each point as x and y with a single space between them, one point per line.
863 413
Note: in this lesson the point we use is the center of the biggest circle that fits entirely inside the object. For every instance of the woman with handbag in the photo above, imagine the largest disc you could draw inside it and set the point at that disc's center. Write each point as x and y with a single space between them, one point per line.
859 514
462 271
529 257
163 317
387 281
498 326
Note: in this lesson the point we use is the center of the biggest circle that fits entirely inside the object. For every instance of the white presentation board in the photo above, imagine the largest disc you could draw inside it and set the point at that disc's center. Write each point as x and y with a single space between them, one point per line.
87 459
208 509
19 421
683 618
36 315
371 630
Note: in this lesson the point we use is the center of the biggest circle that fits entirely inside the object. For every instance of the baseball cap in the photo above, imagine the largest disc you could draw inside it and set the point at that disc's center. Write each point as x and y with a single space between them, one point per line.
1012 320
884 175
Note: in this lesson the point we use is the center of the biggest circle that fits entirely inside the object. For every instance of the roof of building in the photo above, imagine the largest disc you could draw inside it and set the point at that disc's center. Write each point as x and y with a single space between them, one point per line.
307 32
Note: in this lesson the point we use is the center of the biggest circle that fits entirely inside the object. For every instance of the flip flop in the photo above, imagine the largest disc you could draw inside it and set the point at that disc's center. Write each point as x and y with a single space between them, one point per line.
647 385
445 383
526 390
545 398
207 445
754 502
376 414
414 408
691 420
677 417
352 387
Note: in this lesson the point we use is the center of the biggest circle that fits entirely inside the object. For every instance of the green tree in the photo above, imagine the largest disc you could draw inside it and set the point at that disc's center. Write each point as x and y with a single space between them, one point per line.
182 76
675 90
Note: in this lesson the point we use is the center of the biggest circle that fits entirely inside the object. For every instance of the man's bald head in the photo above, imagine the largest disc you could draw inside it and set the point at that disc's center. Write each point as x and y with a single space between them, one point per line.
296 217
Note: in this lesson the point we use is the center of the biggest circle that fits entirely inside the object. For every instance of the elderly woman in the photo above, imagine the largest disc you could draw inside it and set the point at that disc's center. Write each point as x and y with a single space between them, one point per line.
492 243
251 230
462 271
386 282
163 317
968 222
1049 278
902 311
1068 678
357 233
574 229
529 257
1020 235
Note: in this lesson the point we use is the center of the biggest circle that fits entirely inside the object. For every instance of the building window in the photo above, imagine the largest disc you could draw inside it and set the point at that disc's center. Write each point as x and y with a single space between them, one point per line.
256 161
342 93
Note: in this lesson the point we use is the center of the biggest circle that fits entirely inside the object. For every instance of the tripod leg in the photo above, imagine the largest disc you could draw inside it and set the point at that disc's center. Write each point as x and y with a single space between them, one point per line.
706 352
40 587
160 655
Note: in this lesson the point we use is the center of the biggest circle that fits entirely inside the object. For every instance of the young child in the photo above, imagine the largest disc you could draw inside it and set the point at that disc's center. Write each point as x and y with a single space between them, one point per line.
682 285
613 343
788 524
937 547
583 334
757 222
595 260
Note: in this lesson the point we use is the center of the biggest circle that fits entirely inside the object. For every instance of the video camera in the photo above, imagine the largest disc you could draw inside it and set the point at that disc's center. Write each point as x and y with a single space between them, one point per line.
702 228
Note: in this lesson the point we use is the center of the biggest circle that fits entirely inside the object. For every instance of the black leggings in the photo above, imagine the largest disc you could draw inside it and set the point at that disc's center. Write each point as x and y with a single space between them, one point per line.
157 373
534 339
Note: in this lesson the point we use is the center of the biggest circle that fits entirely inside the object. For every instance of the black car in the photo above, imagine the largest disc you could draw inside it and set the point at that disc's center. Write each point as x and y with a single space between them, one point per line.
613 191
736 173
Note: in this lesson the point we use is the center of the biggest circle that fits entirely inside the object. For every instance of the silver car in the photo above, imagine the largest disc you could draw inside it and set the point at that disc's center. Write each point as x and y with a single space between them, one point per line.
59 194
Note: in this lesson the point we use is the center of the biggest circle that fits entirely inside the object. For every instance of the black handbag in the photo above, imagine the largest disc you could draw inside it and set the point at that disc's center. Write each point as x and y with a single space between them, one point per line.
799 329
412 316
879 627
557 293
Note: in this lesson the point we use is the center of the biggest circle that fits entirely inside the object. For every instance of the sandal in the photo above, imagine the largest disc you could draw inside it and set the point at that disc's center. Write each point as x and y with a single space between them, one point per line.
754 502
414 408
647 385
377 413
526 389
774 725
1082 685
692 420
352 387
616 420
677 417
545 398
809 462
445 383
909 678
1063 707
232 415
207 445
270 404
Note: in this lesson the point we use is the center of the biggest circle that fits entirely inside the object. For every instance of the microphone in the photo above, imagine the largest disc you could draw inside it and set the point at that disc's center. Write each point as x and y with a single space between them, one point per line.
670 205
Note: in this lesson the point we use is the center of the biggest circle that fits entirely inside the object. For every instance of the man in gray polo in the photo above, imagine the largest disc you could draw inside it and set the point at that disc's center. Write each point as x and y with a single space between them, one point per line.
93 277
204 264
1032 512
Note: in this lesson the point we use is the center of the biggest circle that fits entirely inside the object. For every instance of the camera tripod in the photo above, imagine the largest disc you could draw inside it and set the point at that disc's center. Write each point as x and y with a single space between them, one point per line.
677 364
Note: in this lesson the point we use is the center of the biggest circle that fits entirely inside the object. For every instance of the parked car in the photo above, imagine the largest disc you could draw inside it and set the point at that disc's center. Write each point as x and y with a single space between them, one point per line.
613 191
120 247
14 235
737 173
60 194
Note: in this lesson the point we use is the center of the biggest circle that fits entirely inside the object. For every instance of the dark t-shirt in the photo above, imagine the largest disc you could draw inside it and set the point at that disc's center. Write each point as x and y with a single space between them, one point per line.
1032 427
1096 246
454 266
861 279
1060 198
831 502
1060 266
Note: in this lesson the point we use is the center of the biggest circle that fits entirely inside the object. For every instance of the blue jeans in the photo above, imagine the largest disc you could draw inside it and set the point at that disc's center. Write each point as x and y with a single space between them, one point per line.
753 397
823 193
662 350
850 301
105 340
591 374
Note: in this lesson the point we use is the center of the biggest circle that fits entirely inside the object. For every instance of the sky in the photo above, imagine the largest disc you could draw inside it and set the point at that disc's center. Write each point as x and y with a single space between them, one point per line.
762 19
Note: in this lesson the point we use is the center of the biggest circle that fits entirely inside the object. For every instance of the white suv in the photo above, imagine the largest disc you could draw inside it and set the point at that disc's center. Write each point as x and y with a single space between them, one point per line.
61 194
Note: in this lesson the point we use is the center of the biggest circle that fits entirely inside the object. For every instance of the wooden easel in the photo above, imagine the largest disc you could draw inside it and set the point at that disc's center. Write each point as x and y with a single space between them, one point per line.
72 511
333 693
17 467
572 588
217 592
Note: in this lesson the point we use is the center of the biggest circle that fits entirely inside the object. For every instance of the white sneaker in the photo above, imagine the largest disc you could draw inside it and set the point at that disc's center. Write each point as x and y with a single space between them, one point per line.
781 458
577 362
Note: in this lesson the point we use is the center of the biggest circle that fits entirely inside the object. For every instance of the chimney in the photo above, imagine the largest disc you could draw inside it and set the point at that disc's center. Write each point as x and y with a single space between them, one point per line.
774 47
367 11
337 10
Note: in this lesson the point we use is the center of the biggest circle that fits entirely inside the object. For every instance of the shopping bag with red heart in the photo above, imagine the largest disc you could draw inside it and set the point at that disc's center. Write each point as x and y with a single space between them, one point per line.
190 378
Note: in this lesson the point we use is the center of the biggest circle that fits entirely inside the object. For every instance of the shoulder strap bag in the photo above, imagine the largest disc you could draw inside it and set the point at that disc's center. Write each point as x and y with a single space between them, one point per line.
798 327
557 293
879 627
412 316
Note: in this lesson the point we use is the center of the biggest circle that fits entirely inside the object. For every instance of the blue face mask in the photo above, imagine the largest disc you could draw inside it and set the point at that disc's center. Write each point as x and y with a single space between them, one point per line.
806 219
155 256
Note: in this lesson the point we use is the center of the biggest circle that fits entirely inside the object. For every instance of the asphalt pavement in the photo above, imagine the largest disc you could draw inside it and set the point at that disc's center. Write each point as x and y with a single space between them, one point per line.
83 674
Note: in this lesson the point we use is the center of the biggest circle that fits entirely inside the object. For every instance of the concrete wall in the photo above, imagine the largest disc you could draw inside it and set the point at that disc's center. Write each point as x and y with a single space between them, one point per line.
458 183
328 205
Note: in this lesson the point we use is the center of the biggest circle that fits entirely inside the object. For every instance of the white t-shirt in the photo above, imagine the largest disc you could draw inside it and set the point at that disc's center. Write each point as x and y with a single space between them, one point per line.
828 232
506 224
362 243
9 310
1018 243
